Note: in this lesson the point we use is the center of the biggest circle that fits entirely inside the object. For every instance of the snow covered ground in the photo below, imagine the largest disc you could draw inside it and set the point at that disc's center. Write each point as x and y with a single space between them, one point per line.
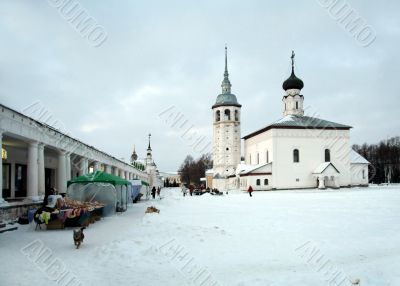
305 237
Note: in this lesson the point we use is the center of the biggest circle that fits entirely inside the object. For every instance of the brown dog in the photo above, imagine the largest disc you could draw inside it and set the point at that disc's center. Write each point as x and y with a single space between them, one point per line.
152 210
78 236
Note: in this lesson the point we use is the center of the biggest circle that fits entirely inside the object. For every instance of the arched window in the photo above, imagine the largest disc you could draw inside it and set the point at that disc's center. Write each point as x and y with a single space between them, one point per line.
258 158
227 114
258 182
296 157
297 105
217 116
267 157
266 182
327 155
236 115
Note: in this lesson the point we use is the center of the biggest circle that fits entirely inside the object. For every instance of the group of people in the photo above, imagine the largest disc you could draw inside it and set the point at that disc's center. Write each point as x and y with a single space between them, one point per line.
185 190
191 189
202 190
155 191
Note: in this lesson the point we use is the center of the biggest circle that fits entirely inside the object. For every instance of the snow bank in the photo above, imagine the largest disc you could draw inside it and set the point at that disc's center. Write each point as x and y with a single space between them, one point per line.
234 239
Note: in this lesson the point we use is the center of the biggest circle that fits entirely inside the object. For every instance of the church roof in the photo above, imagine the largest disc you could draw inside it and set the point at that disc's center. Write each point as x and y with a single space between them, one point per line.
262 169
356 158
323 166
300 122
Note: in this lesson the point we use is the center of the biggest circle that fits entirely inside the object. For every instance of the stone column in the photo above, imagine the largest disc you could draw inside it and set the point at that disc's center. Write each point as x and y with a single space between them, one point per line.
115 171
108 169
61 172
41 168
1 170
86 166
68 166
335 182
321 182
32 179
83 166
96 166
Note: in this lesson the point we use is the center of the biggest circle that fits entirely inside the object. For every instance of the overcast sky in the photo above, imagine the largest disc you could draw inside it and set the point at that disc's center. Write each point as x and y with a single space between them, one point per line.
169 55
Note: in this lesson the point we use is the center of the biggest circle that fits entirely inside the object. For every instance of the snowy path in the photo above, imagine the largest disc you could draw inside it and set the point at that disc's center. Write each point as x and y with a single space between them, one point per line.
232 240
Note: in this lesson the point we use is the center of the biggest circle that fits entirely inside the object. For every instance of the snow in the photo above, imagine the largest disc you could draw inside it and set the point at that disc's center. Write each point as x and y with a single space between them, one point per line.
244 168
232 239
321 167
357 158
287 118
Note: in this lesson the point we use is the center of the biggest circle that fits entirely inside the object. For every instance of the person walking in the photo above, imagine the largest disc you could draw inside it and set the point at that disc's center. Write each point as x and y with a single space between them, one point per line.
184 191
191 188
158 192
153 192
250 190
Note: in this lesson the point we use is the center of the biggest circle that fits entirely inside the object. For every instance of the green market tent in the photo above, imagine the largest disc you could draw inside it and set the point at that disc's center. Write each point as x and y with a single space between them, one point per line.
99 177
99 186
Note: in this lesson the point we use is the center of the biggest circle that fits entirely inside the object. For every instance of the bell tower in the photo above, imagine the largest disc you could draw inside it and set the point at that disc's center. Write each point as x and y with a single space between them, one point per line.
226 132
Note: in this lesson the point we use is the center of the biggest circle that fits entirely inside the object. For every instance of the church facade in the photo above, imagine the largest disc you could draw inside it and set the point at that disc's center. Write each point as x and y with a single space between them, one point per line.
294 152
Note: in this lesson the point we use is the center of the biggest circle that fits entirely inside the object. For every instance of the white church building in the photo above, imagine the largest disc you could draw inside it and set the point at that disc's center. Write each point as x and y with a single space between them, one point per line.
295 152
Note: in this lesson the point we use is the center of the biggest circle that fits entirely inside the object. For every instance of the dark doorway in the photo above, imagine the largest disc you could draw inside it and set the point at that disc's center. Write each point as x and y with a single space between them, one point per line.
48 180
6 180
20 180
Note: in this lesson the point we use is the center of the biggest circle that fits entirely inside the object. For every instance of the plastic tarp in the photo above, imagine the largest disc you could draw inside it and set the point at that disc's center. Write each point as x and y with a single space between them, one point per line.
119 188
102 192
122 197
135 188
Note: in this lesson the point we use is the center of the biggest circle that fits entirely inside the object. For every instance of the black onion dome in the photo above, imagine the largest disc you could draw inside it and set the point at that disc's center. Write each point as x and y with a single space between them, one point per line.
293 82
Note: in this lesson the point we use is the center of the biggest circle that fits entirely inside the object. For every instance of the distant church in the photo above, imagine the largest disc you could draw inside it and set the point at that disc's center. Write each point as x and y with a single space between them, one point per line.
295 152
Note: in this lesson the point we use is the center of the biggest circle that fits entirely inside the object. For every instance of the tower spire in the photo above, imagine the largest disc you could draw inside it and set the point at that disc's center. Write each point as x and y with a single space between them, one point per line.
149 148
226 84
134 156
226 74
292 57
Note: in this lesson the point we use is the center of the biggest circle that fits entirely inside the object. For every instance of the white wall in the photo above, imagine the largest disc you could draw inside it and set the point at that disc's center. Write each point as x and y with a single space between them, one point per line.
259 144
359 174
311 144
247 181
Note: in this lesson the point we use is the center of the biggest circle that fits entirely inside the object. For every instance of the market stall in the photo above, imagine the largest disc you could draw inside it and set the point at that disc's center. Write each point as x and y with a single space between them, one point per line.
136 187
71 214
110 190
145 189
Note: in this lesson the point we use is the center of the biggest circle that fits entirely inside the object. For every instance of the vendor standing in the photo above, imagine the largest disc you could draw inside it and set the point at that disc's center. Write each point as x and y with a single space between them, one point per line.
54 200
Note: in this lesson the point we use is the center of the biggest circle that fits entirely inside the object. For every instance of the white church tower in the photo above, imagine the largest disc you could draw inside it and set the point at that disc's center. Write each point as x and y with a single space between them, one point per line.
293 100
151 167
226 134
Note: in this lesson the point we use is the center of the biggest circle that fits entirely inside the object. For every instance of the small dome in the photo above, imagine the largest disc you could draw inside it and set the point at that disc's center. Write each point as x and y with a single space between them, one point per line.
226 99
293 82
